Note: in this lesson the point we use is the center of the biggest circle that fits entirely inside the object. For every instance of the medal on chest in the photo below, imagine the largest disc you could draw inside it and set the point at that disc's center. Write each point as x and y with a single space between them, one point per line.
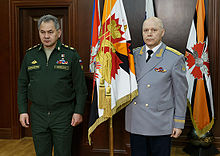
62 60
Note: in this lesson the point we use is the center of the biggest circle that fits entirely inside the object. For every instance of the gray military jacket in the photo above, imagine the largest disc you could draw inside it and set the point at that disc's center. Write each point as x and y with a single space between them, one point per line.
162 88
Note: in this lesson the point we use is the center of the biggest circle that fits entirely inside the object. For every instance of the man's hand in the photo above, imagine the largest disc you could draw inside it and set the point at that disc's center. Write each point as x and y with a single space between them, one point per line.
24 120
176 132
76 119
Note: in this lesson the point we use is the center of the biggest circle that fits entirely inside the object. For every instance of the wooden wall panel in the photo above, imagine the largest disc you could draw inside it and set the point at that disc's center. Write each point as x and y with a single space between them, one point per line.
214 49
177 16
5 107
84 30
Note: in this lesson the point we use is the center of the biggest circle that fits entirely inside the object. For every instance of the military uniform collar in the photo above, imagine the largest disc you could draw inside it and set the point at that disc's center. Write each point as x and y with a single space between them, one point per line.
155 60
154 49
41 47
58 46
160 50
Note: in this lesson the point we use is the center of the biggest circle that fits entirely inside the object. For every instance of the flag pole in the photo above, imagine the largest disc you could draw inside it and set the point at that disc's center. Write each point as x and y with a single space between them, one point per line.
111 144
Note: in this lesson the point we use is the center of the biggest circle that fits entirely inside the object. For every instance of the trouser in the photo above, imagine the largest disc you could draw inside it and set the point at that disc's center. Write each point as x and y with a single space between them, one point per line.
150 145
50 129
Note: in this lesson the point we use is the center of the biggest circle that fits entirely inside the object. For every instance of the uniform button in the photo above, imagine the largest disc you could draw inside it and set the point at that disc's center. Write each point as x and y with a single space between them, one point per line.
146 105
48 113
135 103
148 86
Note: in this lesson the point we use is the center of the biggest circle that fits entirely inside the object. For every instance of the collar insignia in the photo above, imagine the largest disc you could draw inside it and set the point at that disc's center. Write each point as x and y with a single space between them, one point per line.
141 52
81 64
183 68
160 53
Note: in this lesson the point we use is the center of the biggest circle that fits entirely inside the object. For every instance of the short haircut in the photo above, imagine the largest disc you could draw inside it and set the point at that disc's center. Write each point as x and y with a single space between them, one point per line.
157 20
47 18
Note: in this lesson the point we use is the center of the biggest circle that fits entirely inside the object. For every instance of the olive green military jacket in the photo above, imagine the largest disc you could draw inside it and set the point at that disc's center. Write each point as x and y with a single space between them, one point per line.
51 84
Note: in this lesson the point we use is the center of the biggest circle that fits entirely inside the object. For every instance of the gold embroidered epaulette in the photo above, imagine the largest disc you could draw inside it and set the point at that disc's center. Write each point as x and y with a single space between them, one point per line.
173 50
33 47
136 50
71 48
66 46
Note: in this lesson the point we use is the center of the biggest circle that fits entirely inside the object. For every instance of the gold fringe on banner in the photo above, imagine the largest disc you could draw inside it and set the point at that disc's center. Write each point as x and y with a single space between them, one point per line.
107 109
199 132
120 104
101 93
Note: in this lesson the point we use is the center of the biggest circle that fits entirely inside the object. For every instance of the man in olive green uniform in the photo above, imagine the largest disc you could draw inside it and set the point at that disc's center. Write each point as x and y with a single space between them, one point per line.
52 79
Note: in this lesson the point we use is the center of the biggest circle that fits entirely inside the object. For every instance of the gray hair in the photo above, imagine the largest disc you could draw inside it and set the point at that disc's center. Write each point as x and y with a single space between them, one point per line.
47 18
157 20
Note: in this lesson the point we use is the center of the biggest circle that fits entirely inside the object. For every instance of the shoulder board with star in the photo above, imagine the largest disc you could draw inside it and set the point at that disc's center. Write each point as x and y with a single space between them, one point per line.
173 50
68 47
33 47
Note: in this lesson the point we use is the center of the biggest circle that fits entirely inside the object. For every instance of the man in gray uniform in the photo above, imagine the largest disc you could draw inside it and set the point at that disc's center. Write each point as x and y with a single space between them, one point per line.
158 112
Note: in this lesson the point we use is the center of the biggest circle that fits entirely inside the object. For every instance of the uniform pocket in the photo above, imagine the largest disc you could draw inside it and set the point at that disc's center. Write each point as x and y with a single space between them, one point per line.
34 71
33 68
165 106
62 73
33 91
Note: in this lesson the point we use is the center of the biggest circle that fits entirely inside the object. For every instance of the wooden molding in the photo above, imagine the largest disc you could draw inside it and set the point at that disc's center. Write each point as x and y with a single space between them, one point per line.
217 142
5 133
213 44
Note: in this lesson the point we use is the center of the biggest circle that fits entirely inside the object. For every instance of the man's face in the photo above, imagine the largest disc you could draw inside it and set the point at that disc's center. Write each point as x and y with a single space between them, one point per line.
152 33
48 34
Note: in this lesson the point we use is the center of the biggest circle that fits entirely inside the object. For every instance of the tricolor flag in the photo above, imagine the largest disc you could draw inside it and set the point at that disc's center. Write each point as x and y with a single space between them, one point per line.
149 9
115 79
96 25
200 100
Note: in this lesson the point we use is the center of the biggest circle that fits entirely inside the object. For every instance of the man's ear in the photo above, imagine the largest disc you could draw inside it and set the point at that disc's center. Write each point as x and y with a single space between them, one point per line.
163 32
59 33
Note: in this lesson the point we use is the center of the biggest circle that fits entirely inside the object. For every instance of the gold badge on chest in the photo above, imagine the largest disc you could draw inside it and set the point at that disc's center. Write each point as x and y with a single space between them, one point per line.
34 62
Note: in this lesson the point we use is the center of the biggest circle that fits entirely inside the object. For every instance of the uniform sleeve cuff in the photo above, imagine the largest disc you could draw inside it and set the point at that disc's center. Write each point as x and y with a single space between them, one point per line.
179 123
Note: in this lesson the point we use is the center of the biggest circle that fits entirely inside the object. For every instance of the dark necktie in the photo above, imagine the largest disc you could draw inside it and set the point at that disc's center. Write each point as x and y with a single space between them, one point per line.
149 55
